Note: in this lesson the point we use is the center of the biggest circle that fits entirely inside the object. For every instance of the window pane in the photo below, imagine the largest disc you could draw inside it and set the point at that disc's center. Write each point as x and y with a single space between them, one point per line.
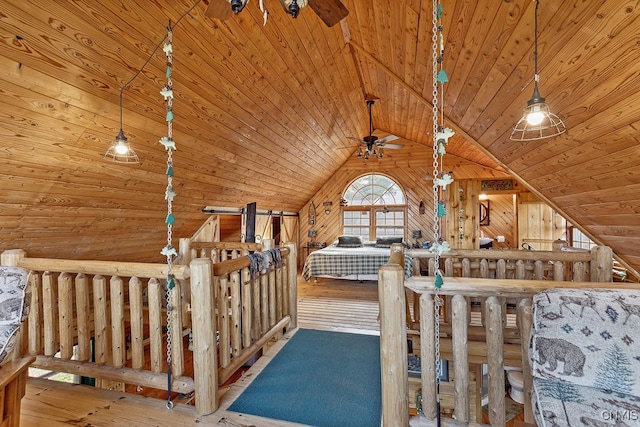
369 191
374 190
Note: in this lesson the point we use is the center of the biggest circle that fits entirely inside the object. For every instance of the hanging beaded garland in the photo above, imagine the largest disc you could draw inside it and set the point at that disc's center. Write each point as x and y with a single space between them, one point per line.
441 180
169 251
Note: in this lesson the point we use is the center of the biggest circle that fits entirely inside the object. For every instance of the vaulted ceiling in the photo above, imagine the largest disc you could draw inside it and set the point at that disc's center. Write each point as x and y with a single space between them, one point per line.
262 112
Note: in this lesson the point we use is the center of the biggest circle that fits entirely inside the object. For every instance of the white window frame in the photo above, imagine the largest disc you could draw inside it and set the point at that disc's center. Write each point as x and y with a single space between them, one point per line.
371 212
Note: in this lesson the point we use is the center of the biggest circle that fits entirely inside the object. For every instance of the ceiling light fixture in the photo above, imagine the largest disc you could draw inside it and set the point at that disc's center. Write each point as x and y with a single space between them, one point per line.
537 121
291 7
371 145
120 150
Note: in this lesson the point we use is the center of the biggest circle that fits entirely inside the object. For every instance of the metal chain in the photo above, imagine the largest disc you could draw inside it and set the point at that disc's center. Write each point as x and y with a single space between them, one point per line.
436 53
170 251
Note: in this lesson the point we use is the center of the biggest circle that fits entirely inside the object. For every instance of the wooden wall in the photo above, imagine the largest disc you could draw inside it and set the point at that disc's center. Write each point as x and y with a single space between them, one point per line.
411 167
463 230
502 220
538 224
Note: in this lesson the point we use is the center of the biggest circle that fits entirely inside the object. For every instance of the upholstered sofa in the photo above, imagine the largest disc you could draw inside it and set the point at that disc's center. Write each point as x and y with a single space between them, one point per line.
14 307
585 357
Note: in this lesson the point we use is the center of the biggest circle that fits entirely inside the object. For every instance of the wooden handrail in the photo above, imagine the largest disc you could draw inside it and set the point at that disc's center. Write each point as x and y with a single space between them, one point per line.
226 245
228 266
509 288
506 254
105 268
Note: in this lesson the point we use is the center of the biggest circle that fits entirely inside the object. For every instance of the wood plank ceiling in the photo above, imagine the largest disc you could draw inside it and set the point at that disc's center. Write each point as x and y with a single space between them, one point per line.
262 112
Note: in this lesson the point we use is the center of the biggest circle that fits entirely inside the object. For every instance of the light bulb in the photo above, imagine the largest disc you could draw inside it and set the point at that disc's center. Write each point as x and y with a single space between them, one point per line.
535 118
121 148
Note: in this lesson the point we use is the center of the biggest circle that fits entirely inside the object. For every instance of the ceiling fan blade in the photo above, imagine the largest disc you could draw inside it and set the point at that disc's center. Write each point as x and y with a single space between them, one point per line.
218 9
330 11
386 139
393 146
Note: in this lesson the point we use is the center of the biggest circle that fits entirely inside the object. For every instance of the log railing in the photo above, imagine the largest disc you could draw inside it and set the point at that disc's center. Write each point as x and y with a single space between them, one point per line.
250 311
218 251
108 320
461 340
104 320
595 265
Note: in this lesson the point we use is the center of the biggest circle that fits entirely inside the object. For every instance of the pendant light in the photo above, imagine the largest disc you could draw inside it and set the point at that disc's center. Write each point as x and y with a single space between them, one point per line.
537 121
120 150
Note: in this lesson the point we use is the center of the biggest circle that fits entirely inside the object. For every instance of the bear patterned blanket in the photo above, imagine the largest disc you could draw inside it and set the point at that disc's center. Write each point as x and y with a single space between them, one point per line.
14 306
585 357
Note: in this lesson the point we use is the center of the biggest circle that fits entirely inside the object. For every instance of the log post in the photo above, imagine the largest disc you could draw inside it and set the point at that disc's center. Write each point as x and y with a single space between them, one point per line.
205 360
428 355
101 319
495 360
136 310
292 284
393 347
236 314
177 350
83 310
118 338
460 357
525 322
65 315
11 257
601 264
184 251
155 296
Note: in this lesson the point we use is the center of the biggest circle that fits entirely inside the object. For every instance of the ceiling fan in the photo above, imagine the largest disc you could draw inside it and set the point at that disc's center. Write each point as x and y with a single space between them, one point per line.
330 11
371 145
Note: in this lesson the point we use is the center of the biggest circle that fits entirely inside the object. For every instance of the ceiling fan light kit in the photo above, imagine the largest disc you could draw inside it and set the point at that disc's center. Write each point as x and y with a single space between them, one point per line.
537 121
371 145
329 11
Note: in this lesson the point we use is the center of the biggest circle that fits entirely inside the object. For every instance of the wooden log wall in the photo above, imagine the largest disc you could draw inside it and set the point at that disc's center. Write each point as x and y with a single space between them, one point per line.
538 225
503 221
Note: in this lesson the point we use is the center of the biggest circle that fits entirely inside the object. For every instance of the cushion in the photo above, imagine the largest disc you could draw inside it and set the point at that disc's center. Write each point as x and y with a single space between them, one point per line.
588 337
386 242
349 242
14 306
553 402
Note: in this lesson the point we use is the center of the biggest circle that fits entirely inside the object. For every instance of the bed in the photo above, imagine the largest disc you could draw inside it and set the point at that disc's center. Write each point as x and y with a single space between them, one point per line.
353 262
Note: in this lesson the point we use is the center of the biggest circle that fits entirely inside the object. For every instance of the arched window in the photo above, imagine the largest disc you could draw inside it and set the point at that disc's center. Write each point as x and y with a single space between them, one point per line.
375 207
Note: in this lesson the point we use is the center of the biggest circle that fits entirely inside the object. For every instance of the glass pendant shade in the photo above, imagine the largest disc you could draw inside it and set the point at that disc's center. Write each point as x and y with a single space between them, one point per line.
120 150
537 121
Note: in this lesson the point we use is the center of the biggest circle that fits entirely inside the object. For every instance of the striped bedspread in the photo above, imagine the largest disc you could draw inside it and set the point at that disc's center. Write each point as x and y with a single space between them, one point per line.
340 262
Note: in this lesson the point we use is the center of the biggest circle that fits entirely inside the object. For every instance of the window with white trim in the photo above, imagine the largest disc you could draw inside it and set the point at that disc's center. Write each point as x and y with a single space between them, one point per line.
375 207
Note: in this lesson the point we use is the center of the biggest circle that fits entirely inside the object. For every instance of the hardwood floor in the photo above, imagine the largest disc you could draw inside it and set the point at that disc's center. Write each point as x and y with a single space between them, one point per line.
337 305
